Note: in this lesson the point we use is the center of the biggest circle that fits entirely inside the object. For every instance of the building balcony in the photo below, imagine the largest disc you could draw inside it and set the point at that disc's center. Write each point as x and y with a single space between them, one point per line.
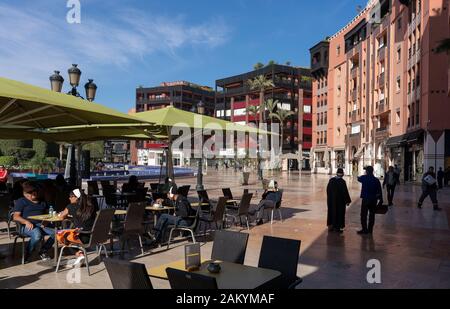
382 132
354 139
354 72
165 100
381 80
354 94
354 116
383 106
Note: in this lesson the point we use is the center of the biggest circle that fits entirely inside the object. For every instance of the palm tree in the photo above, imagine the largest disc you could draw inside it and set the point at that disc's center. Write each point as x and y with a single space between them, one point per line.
260 83
271 62
258 66
254 111
271 105
281 115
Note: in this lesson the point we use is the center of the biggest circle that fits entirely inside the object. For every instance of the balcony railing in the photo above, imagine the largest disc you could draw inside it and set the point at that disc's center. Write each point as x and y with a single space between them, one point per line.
381 80
382 106
382 53
354 72
382 132
354 94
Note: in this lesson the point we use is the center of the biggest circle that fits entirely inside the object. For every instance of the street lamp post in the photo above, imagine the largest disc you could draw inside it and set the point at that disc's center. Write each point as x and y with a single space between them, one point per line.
200 187
56 83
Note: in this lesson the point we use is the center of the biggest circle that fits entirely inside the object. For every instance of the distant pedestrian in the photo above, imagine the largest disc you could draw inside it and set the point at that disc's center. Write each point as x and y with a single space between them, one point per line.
3 178
447 176
371 194
398 172
99 166
390 182
429 188
338 199
58 165
440 178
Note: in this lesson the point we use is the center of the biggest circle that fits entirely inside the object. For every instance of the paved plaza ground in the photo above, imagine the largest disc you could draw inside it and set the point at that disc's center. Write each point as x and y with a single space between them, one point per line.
412 245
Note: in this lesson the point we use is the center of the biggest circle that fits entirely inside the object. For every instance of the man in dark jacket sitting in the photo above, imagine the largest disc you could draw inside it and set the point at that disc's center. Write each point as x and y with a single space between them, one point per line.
183 216
270 198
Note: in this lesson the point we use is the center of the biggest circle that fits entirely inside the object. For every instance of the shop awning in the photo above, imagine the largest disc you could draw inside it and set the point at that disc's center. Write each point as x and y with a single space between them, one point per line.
394 141
407 138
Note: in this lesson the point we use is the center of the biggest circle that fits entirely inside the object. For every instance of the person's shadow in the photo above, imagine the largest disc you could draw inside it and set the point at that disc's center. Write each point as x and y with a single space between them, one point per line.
20 281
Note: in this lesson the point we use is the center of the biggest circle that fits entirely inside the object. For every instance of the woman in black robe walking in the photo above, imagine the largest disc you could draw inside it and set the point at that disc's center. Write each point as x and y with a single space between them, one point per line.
338 199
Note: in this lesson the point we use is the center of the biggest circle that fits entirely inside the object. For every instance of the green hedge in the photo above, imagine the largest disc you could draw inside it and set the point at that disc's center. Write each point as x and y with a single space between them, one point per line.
22 154
8 161
44 149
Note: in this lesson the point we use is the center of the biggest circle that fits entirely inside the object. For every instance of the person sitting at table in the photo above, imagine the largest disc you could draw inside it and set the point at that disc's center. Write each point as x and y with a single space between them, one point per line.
61 184
132 185
17 191
168 185
82 210
28 206
183 216
3 178
270 198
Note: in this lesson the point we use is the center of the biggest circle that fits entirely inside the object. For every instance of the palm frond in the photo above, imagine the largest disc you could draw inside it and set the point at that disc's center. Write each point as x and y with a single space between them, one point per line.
271 105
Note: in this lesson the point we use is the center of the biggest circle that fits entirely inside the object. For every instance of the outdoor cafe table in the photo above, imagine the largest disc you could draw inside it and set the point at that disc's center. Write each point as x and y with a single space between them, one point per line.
56 220
199 204
157 210
232 276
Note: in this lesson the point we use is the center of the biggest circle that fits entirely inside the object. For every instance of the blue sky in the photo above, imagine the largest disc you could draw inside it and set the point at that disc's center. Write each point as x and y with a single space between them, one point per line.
124 44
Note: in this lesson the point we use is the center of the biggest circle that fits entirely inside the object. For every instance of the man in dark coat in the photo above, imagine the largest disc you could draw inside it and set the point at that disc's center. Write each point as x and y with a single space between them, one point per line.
338 199
429 188
371 194
440 178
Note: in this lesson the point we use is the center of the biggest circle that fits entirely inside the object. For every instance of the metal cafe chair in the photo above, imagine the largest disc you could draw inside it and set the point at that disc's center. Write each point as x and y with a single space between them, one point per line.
191 229
127 275
99 235
216 216
242 211
132 226
281 254
229 246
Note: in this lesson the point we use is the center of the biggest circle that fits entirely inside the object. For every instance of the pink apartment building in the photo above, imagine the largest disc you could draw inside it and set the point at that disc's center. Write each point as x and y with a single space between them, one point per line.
381 91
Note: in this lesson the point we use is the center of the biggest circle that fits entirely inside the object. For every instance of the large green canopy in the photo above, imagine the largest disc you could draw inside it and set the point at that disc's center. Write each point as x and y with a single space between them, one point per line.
82 134
27 106
170 117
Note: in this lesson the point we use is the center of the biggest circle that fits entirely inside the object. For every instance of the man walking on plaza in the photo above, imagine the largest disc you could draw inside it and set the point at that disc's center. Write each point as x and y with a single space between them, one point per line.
390 182
371 193
397 172
3 177
338 199
429 188
440 178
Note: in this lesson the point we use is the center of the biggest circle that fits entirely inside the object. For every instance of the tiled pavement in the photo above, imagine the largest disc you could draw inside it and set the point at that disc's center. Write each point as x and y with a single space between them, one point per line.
412 245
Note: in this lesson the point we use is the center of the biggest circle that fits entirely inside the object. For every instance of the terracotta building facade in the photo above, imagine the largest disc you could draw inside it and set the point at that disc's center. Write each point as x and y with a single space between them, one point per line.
381 91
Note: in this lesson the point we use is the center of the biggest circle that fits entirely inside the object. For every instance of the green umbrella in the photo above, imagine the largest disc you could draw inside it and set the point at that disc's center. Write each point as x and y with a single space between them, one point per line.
28 106
171 117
